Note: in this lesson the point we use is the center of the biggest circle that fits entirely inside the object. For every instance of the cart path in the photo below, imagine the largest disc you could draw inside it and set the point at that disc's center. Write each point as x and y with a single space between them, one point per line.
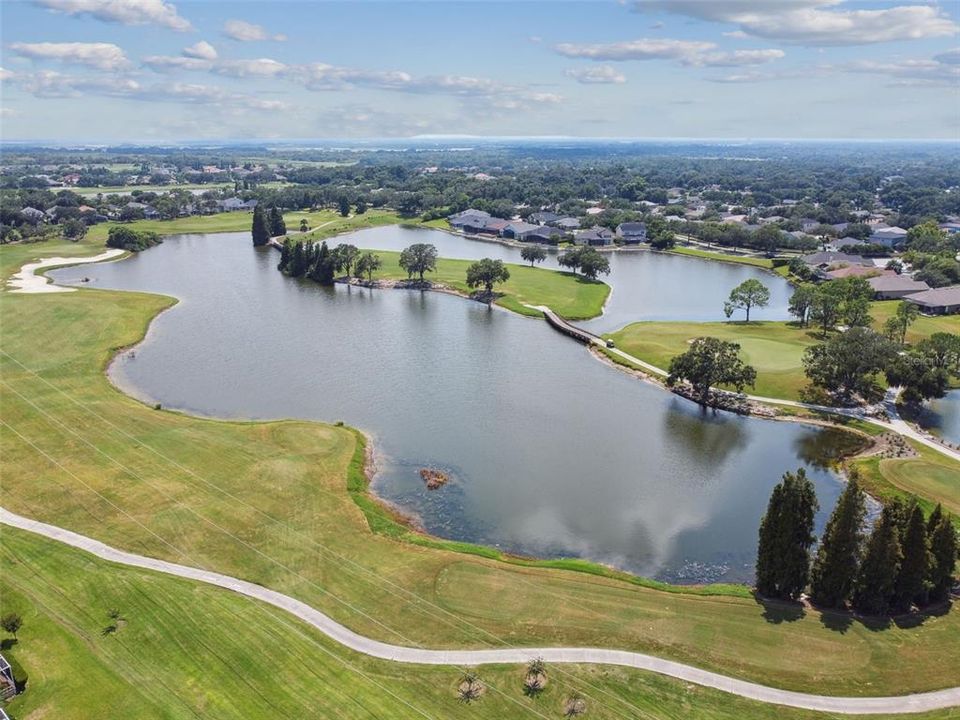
922 702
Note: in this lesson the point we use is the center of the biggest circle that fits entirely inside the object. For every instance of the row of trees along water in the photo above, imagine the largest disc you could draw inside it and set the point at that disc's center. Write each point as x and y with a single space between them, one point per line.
905 561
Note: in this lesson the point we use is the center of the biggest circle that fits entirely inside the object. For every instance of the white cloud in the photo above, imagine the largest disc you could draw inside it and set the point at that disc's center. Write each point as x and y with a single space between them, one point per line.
815 22
50 84
243 31
165 63
126 12
7 112
260 67
6 74
201 50
103 56
600 75
950 57
915 72
686 52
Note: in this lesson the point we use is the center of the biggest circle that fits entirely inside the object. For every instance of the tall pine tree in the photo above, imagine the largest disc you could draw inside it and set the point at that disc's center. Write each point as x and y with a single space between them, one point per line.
877 579
261 230
786 534
277 226
943 554
911 586
838 557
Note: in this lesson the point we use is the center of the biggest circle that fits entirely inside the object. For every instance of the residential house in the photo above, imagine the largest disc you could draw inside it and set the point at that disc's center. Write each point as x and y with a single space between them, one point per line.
566 224
856 271
939 301
467 216
632 233
544 234
894 287
830 257
518 230
808 224
493 226
543 218
951 228
596 236
888 236
8 685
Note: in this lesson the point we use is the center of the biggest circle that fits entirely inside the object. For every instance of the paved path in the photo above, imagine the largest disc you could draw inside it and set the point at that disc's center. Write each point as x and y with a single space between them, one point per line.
25 280
922 702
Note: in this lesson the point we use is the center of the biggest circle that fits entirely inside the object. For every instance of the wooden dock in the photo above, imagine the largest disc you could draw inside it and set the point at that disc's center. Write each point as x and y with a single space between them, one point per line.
587 338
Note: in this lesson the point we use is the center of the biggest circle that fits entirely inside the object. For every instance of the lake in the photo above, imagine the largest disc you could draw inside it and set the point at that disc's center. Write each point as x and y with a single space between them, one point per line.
942 417
552 452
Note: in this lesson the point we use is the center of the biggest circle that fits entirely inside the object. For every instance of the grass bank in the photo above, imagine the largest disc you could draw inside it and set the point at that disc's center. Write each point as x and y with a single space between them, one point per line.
270 502
183 650
571 295
331 221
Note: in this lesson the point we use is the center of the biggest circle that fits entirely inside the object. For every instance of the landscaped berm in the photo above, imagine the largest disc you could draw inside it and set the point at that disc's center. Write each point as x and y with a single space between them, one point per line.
124 643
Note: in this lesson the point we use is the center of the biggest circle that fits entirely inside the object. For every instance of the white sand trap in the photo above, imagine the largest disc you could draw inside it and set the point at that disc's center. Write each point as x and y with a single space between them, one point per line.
25 281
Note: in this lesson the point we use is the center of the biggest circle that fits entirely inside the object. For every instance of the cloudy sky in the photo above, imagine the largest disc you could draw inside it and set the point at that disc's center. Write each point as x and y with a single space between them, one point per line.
153 70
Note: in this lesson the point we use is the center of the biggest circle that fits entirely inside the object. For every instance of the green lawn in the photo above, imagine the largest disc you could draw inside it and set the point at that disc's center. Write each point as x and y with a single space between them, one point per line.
108 189
269 502
725 257
185 650
241 222
572 296
773 348
931 476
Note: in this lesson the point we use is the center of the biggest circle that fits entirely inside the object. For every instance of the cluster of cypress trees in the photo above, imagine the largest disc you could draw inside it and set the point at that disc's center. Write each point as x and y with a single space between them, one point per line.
905 560
267 224
307 259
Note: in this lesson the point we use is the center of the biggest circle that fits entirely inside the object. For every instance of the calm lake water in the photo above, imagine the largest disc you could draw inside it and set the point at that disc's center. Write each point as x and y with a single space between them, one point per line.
942 417
646 285
552 453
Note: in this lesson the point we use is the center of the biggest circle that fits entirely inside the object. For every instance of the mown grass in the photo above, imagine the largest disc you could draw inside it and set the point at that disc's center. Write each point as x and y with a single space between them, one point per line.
270 502
930 477
570 295
766 263
183 650
110 189
775 349
330 221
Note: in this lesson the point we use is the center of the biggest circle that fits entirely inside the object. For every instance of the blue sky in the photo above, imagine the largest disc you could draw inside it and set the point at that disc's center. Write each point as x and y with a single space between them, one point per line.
152 70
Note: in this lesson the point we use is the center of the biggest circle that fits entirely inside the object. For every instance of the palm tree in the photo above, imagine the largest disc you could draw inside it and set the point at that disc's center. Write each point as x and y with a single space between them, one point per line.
470 687
575 705
536 678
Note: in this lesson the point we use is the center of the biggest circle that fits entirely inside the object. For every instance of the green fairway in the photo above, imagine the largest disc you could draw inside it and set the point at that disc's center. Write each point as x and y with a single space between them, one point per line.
923 327
183 650
331 221
269 502
572 296
775 349
931 476
126 189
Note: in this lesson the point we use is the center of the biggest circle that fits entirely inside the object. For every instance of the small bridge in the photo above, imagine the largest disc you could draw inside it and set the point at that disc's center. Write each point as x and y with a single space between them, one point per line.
587 338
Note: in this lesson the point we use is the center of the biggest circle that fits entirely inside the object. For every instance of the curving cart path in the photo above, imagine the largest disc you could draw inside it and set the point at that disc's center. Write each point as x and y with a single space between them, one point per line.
921 702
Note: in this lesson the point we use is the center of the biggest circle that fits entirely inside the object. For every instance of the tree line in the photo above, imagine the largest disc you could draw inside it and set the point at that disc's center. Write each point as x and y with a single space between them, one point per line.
904 561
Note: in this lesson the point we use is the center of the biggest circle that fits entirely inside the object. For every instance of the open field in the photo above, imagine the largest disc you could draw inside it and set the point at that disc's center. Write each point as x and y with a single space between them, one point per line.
571 295
726 257
269 502
242 221
183 650
127 189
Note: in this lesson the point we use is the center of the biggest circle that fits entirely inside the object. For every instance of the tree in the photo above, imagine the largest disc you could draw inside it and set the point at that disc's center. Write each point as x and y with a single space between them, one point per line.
708 362
487 272
592 264
571 259
344 256
74 229
261 228
367 264
845 364
659 234
942 350
324 265
344 205
943 554
275 220
11 622
877 578
361 207
786 534
470 688
533 254
911 585
826 308
897 325
418 259
131 240
748 294
918 376
838 557
304 225
801 301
